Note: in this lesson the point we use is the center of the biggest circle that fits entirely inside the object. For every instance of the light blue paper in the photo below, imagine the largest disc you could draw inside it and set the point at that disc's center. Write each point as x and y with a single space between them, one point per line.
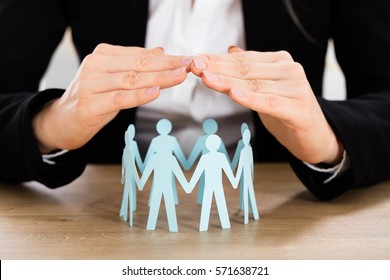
130 157
245 173
212 164
168 143
240 146
210 127
163 165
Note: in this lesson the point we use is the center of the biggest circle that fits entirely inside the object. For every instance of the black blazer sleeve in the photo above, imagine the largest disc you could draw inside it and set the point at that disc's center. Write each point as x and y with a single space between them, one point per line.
29 34
361 33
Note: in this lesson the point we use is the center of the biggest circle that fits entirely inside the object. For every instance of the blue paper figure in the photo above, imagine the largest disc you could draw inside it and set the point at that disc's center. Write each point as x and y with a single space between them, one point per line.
236 156
165 142
130 157
245 170
210 127
212 164
164 165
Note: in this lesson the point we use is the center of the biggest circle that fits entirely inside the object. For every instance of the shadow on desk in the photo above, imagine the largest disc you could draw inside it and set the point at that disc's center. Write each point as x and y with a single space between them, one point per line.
80 221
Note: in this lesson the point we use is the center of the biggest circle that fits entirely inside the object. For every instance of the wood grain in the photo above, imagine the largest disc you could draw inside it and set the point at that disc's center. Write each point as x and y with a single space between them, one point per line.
80 221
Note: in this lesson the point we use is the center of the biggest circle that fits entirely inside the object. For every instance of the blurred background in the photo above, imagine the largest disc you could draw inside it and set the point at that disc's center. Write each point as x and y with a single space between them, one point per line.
64 65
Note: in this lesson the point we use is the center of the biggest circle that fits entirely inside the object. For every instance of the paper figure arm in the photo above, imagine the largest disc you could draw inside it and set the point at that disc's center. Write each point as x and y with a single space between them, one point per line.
150 152
178 152
196 150
196 175
137 157
223 150
236 156
229 173
123 171
239 172
180 177
148 170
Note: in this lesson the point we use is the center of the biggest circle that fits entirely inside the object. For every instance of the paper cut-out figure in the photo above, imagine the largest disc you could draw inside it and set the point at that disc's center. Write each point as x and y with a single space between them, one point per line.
163 165
212 164
245 172
210 127
165 142
236 156
130 157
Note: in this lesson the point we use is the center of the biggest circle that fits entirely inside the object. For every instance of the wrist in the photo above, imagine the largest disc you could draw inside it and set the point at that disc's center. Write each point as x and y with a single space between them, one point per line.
43 131
335 150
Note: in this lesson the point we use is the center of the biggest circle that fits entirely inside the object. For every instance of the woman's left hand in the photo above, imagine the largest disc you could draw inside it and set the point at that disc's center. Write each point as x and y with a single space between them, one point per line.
276 87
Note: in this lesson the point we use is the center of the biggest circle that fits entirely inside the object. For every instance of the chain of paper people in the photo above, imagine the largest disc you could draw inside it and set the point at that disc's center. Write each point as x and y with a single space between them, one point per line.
163 157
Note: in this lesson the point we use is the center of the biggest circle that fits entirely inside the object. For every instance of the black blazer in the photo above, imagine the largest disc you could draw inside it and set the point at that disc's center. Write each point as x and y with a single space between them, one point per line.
31 30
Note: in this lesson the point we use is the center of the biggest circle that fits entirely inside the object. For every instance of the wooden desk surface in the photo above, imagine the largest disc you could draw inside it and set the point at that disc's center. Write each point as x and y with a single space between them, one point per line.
80 221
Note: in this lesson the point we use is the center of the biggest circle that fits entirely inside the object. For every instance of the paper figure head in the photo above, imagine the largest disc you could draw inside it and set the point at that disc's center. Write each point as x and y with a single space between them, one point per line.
246 137
244 127
164 127
213 142
131 131
210 126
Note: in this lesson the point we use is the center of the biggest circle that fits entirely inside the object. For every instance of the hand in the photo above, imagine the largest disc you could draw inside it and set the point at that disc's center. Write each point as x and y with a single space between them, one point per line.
275 86
110 79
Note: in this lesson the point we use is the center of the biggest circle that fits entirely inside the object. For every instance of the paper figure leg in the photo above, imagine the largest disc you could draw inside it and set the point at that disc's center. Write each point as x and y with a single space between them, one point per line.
171 211
134 197
131 200
125 203
201 190
245 204
151 192
205 212
174 189
155 202
241 192
222 209
252 202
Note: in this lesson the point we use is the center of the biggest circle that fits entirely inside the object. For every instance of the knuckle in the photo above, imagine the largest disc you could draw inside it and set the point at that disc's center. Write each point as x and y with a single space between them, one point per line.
283 55
118 98
241 64
144 60
292 68
90 58
130 78
272 101
101 48
91 61
255 85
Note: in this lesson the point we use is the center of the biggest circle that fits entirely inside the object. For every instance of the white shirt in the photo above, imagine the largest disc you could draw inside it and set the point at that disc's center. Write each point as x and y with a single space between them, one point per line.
183 28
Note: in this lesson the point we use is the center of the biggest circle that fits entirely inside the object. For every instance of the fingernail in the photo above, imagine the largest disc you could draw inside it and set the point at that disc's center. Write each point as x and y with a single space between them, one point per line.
201 57
234 49
186 60
210 76
152 90
177 72
237 92
200 64
158 50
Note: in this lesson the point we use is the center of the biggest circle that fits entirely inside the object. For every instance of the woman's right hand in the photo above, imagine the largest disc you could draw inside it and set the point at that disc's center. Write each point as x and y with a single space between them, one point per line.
110 79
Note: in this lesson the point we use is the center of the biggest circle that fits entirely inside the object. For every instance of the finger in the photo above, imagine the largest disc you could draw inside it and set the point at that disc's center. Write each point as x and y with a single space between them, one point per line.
113 50
224 84
143 63
246 70
269 104
233 49
253 56
113 101
135 80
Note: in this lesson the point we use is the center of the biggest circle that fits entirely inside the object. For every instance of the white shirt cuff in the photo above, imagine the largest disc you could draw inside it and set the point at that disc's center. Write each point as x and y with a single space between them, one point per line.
47 158
335 171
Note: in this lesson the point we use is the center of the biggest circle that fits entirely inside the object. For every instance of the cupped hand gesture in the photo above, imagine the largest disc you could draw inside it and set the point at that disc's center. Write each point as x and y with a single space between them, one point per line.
110 79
